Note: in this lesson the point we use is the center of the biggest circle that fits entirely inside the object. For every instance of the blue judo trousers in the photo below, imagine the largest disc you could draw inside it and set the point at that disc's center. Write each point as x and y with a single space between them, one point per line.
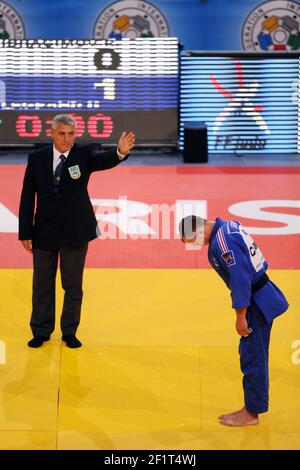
239 262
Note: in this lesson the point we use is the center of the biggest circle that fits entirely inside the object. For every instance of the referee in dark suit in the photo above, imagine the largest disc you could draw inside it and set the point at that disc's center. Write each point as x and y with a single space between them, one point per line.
56 219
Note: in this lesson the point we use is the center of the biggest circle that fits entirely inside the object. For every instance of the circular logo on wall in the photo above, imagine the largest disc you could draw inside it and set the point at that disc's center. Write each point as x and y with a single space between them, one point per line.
130 19
11 24
273 26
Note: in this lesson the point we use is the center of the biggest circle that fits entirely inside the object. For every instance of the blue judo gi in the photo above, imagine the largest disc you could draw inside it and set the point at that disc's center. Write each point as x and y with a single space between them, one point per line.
239 262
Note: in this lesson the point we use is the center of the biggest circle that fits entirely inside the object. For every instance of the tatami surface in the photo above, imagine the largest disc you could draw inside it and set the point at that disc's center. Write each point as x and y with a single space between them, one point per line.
158 365
159 361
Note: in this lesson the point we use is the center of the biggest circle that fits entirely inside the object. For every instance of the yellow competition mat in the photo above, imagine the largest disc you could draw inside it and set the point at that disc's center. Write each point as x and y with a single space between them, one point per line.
159 364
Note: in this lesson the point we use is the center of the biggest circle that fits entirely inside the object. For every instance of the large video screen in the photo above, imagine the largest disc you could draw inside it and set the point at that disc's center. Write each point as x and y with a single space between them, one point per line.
108 85
250 103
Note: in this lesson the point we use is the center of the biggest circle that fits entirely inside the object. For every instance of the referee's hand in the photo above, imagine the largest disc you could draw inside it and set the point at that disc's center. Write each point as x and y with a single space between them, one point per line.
126 142
27 245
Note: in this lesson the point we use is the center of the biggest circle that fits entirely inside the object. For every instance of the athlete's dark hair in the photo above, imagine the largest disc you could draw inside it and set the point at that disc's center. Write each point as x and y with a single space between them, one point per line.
188 226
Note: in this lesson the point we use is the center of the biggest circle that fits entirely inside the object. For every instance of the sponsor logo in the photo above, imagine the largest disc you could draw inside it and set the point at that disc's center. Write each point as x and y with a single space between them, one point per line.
11 24
273 26
130 19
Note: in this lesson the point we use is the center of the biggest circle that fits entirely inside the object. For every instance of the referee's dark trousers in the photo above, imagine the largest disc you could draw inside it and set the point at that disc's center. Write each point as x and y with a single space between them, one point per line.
43 297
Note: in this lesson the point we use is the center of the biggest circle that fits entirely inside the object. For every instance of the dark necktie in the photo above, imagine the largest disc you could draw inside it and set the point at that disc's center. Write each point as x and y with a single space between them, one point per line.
57 173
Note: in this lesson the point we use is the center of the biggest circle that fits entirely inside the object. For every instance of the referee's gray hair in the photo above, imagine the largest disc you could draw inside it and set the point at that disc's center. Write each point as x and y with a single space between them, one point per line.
65 119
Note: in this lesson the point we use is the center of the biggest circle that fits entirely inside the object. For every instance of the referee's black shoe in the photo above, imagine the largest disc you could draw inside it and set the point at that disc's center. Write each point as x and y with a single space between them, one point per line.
37 341
71 341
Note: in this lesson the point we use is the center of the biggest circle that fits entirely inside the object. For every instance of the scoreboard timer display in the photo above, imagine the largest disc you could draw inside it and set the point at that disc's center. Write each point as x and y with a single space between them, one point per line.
107 85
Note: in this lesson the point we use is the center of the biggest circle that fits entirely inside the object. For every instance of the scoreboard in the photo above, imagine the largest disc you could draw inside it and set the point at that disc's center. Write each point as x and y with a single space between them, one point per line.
107 85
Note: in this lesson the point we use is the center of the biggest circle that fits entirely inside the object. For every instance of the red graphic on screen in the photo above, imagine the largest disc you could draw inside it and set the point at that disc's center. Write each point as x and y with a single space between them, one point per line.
240 101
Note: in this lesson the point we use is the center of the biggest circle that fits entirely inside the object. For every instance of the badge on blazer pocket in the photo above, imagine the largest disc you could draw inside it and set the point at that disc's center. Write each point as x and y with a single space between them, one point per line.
74 172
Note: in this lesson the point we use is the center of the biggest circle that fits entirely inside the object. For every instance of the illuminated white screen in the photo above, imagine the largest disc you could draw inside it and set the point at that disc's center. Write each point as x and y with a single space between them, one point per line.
249 103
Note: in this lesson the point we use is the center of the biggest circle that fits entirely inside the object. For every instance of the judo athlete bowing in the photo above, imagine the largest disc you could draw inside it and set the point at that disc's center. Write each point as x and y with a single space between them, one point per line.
234 255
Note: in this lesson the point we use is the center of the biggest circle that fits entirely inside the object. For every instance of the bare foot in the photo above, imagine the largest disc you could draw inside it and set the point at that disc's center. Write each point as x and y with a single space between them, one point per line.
231 414
242 418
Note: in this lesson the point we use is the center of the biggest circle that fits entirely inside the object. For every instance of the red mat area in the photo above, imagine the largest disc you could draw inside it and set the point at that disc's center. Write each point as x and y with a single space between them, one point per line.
219 186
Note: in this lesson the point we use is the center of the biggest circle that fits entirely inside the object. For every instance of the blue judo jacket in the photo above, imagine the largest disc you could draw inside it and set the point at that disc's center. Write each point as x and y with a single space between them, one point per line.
239 262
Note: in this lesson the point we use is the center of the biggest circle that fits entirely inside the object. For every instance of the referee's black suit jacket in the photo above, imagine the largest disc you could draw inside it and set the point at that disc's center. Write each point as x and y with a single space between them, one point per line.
70 211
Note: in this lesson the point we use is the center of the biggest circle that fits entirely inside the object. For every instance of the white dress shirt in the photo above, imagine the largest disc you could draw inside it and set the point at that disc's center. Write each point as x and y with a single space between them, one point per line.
57 154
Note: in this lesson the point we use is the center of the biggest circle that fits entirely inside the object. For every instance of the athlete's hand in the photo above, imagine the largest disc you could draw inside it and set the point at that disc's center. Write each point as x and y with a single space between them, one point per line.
241 326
